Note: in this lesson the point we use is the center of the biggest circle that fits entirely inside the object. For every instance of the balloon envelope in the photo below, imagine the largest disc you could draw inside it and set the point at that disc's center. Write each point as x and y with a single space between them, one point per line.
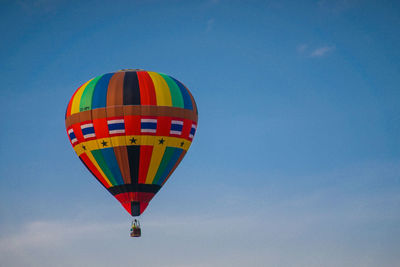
131 129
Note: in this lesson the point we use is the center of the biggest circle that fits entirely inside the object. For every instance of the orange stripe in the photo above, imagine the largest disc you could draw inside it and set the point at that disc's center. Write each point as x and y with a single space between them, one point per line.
115 90
121 153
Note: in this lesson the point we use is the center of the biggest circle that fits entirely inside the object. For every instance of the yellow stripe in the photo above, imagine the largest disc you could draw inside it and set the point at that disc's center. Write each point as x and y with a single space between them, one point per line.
77 98
163 94
156 157
144 140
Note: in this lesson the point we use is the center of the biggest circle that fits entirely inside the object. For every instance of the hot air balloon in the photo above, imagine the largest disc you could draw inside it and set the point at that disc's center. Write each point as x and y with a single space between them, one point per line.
131 129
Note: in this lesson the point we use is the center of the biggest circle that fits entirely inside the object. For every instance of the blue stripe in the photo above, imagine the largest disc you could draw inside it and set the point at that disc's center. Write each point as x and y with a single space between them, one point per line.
89 130
116 126
192 131
112 164
174 158
176 127
72 135
99 99
148 125
187 100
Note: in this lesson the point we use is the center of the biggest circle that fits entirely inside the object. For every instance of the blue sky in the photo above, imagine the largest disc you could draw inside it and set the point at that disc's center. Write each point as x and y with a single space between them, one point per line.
296 161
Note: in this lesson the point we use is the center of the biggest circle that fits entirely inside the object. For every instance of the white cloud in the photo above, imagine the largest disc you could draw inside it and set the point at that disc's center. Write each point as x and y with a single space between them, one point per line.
321 51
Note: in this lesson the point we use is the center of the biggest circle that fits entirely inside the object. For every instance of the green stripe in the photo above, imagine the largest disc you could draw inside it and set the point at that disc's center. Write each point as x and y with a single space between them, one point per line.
176 95
87 95
98 156
169 151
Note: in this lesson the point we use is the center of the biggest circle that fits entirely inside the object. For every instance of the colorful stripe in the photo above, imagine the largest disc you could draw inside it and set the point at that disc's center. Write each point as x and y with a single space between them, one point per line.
163 94
77 98
148 125
176 127
88 130
72 136
176 95
116 126
192 131
99 97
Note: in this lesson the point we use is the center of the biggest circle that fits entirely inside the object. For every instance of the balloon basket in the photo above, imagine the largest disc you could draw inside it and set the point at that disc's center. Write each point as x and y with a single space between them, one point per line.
136 232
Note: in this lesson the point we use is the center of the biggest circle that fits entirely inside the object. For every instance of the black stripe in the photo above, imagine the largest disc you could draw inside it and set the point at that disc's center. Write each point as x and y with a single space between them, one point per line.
147 188
133 158
131 89
135 208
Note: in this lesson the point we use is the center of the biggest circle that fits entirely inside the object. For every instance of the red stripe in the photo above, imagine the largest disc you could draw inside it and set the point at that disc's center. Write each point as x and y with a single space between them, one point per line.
132 125
145 197
93 169
126 200
101 128
123 197
163 126
145 157
78 133
147 90
187 125
134 196
143 206
127 206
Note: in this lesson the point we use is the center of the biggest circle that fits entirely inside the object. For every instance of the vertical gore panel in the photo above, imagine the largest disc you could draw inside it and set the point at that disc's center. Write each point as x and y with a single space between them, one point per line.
171 163
121 154
156 157
87 95
70 103
163 94
100 161
176 95
169 151
97 166
143 206
186 96
134 159
192 98
131 94
77 98
99 99
112 164
147 91
115 90
145 157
